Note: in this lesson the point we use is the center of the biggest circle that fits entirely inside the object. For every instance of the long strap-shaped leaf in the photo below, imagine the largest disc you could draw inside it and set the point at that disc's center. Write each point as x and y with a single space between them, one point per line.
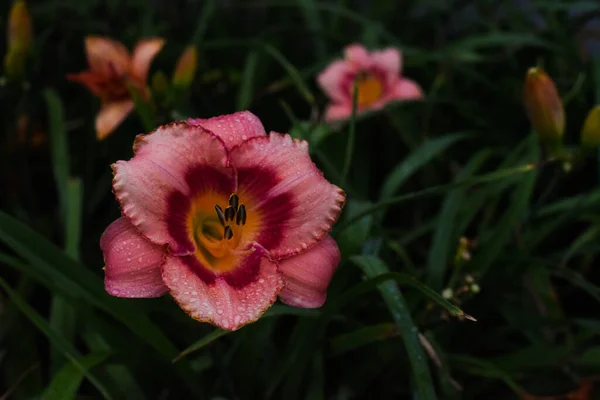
372 267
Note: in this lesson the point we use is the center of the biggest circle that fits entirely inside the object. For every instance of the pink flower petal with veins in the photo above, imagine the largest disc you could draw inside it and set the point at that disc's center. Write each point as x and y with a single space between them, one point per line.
233 129
154 186
307 275
221 303
133 264
297 204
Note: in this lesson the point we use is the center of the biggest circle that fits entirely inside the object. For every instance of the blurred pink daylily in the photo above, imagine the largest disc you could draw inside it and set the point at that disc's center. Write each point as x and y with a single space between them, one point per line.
112 70
223 217
378 80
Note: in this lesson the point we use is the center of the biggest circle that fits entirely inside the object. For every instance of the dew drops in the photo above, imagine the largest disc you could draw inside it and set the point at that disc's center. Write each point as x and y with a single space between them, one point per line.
220 312
261 280
237 319
128 259
140 259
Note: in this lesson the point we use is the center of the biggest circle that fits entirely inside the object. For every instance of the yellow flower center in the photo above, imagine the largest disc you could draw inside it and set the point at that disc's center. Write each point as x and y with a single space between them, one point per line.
217 230
369 87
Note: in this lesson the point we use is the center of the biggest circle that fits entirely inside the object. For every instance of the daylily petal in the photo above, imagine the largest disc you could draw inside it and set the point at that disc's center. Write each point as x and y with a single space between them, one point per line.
295 204
233 129
333 81
335 112
110 116
106 56
406 89
308 274
132 262
223 301
170 166
93 81
143 54
388 60
358 55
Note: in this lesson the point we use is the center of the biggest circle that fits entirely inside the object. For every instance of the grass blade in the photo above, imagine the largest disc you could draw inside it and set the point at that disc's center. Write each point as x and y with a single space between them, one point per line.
59 147
57 340
65 383
437 190
444 236
245 93
373 267
415 160
77 282
361 337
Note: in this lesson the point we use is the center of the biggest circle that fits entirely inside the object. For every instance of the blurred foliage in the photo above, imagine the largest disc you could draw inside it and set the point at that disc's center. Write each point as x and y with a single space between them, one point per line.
451 202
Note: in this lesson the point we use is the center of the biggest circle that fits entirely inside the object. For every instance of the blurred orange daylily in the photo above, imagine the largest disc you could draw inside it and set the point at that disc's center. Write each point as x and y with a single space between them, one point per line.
113 71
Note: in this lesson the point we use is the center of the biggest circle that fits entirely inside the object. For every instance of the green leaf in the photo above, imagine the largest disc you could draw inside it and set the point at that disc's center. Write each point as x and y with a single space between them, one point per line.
203 20
403 279
437 190
206 340
351 239
78 283
275 311
361 337
488 251
373 267
245 93
144 109
575 278
65 383
59 147
73 217
313 21
591 357
55 338
444 237
416 160
484 368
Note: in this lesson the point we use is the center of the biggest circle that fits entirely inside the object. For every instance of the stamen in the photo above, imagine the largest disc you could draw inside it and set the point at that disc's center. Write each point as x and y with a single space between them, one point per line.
241 215
228 233
234 200
229 213
220 214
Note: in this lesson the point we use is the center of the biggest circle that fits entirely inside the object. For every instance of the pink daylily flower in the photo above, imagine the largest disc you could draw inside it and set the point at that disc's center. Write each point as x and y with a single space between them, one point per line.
112 68
378 79
224 218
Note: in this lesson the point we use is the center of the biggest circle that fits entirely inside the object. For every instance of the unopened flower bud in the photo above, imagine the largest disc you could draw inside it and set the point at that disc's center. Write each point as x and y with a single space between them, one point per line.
186 68
544 107
159 83
590 133
20 39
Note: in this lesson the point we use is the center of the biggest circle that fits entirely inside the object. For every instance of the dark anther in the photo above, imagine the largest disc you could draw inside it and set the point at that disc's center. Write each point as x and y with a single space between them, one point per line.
220 214
234 200
228 233
240 218
229 213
